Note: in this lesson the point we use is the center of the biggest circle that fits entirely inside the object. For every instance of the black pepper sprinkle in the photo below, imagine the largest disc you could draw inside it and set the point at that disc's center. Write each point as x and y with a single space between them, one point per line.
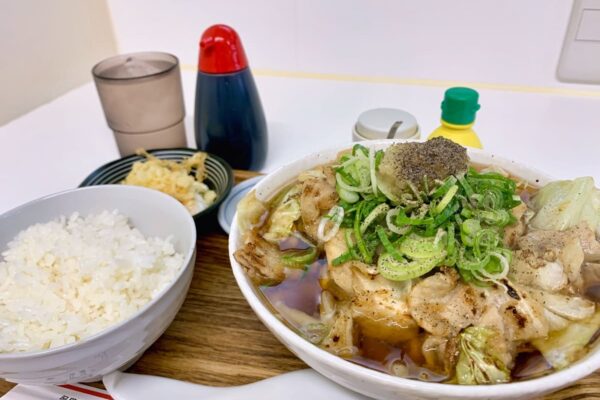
437 158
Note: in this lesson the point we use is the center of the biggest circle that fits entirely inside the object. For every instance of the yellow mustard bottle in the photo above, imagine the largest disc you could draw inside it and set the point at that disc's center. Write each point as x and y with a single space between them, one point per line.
458 116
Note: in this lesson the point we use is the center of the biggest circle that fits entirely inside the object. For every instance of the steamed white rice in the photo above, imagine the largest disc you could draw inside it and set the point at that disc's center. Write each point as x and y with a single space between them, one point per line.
70 278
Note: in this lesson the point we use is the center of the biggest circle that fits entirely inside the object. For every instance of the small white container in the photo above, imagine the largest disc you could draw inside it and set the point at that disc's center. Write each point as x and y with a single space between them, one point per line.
385 123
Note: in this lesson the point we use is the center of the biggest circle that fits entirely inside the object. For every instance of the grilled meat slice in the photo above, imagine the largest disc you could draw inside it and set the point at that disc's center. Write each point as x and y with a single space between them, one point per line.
261 260
443 305
318 196
539 248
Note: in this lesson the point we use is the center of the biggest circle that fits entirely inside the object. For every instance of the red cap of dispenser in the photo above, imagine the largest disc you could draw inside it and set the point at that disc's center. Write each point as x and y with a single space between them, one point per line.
221 51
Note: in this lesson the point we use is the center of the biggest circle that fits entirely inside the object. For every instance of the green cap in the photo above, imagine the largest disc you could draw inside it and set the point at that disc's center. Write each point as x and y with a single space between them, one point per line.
460 105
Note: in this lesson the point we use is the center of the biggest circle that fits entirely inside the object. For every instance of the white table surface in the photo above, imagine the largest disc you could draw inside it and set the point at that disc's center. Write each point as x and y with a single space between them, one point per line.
56 146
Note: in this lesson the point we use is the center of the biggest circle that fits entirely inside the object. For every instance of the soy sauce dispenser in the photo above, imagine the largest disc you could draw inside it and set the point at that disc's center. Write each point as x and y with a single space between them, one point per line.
229 118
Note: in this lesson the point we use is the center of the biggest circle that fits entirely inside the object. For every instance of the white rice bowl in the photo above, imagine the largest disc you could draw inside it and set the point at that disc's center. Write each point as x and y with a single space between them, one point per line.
70 278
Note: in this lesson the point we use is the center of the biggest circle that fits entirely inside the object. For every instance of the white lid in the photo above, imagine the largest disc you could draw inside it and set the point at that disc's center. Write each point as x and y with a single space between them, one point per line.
386 123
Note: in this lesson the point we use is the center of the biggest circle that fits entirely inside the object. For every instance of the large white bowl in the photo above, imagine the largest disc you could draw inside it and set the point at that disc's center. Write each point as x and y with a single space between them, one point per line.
370 382
154 214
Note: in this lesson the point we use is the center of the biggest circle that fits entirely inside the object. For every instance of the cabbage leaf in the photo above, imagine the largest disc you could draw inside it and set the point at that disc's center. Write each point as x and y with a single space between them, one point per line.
563 347
250 212
287 211
478 361
564 204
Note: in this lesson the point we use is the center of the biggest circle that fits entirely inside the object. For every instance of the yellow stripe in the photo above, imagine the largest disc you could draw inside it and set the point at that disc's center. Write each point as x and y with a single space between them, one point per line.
416 82
188 67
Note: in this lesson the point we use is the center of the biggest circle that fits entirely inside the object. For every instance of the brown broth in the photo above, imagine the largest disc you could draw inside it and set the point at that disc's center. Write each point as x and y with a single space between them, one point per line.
300 290
293 243
529 365
407 358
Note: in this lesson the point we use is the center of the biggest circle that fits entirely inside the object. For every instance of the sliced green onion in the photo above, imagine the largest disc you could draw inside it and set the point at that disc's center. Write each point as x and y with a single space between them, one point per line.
344 158
348 178
340 181
419 247
395 270
358 235
426 185
347 196
466 212
468 229
389 220
359 148
471 263
476 198
465 185
446 213
492 198
450 242
451 253
485 240
387 245
402 219
494 217
299 258
491 179
500 275
363 172
347 161
440 191
372 170
336 216
438 236
344 258
350 243
446 199
378 158
471 226
381 209
467 276
414 190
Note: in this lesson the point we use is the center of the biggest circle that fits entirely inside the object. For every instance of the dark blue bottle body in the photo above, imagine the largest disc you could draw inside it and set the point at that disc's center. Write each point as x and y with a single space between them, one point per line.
229 119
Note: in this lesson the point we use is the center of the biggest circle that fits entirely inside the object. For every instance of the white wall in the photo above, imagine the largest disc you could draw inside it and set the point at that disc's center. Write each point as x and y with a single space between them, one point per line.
48 48
509 42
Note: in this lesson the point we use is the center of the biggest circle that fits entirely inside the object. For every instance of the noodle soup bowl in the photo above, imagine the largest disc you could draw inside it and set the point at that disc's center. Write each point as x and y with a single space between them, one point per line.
370 382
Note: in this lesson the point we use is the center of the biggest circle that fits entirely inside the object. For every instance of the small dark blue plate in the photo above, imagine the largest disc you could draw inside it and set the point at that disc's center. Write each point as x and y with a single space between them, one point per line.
219 177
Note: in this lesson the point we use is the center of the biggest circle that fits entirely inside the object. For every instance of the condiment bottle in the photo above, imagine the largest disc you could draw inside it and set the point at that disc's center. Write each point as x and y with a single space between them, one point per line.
458 116
229 118
385 123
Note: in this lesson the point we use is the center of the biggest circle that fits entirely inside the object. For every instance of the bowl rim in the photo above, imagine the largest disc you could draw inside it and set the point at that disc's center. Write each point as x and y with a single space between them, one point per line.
547 383
220 196
190 228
